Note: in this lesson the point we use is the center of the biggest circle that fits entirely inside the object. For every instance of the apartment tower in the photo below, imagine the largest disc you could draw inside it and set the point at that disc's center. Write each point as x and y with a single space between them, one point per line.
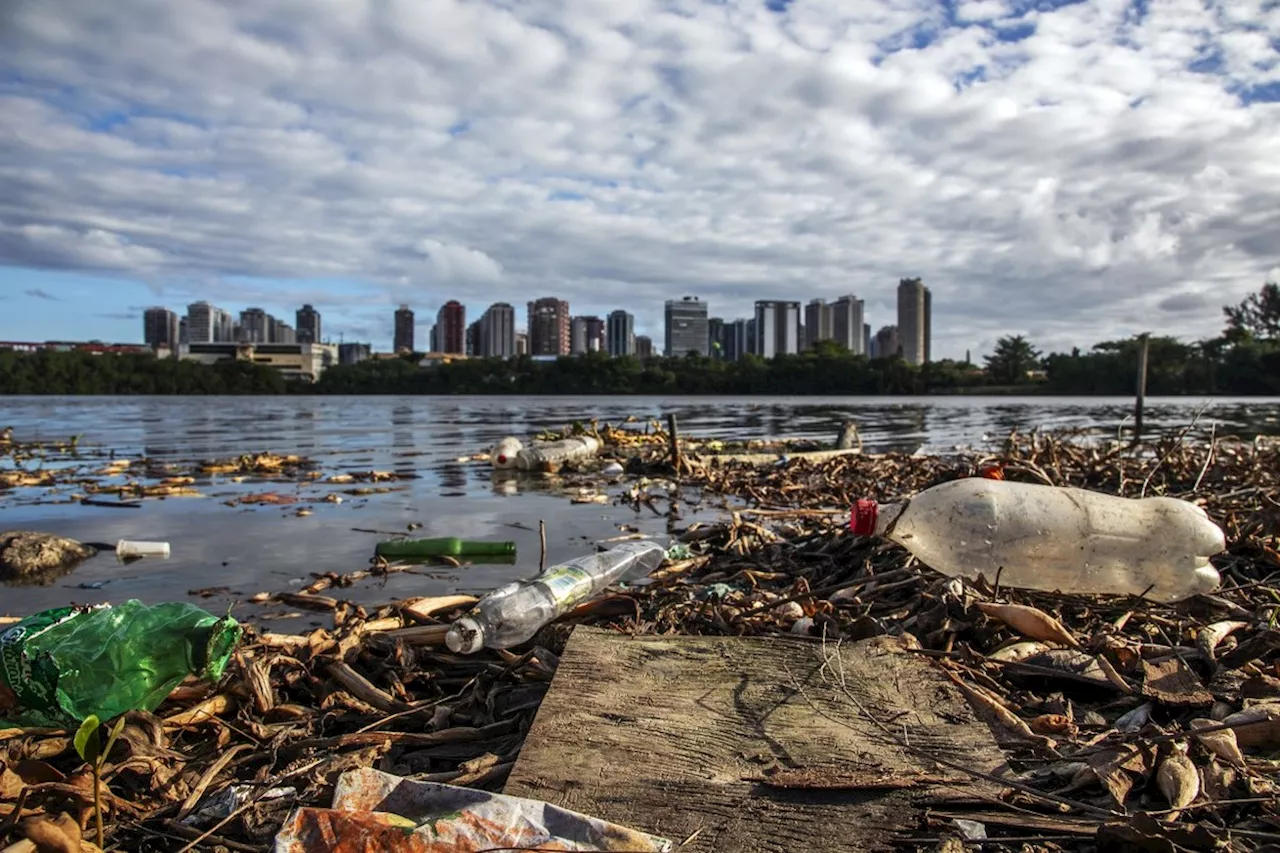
914 320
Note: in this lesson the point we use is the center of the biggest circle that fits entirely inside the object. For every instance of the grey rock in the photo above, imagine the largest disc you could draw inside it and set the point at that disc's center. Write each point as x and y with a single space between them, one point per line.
27 553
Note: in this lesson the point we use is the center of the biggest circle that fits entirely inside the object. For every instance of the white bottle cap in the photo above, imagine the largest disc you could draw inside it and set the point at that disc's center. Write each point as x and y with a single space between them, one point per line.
465 636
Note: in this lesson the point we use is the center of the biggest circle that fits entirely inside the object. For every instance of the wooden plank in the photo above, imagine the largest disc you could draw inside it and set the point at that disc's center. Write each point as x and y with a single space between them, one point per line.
663 734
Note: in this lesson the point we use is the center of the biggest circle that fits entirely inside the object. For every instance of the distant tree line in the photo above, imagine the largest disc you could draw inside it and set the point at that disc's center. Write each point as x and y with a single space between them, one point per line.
1244 360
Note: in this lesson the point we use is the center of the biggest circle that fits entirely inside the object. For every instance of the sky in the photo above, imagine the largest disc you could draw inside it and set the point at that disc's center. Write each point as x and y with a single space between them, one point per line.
1070 171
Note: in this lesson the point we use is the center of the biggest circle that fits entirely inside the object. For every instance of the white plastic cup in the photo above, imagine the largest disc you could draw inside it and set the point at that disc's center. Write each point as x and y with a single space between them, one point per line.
132 548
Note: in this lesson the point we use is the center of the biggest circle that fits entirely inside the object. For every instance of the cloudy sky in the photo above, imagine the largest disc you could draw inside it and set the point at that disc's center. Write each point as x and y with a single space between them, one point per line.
1074 171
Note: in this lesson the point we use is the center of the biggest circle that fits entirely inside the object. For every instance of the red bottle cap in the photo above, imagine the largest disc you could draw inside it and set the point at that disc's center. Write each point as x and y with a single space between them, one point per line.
863 522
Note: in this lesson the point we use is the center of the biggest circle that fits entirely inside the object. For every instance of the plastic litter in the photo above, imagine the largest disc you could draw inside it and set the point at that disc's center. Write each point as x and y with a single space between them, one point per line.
376 812
64 664
511 454
127 548
1053 539
513 613
447 546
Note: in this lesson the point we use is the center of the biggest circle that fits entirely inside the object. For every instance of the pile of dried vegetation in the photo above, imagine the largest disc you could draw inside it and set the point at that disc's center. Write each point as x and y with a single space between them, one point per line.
1127 724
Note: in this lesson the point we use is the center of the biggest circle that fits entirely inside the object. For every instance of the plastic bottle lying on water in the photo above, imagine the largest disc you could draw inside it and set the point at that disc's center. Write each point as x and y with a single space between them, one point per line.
513 613
1053 539
510 453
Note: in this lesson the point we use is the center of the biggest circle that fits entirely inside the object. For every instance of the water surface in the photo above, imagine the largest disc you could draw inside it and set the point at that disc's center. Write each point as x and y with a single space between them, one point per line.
261 548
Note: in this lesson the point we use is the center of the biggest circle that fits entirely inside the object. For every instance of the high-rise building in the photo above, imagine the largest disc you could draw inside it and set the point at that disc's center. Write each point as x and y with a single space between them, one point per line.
279 332
847 320
739 339
548 326
308 325
777 328
474 336
498 331
716 330
818 322
914 320
522 343
404 329
352 353
866 339
685 326
451 328
208 324
644 346
160 328
886 343
586 334
621 333
255 326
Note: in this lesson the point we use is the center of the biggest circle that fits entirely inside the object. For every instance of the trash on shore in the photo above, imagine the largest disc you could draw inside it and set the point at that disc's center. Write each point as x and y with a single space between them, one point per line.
546 456
132 549
376 812
1052 538
1090 696
513 613
26 554
70 663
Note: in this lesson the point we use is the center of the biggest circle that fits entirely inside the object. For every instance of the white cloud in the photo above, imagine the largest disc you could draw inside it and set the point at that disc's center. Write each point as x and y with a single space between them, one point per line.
1059 169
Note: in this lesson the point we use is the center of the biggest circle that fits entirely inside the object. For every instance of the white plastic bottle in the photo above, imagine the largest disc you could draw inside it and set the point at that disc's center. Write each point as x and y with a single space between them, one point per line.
1053 539
510 453
513 613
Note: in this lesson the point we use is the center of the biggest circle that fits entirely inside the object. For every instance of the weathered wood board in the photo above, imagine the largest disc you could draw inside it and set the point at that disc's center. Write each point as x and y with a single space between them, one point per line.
662 734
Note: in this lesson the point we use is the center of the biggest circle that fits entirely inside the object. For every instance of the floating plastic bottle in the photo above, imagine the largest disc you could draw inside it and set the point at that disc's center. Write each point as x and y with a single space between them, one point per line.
64 664
510 453
445 546
1053 539
513 613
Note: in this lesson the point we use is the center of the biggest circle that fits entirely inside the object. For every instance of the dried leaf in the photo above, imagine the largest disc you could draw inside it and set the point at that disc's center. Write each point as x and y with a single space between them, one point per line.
1114 767
1221 743
425 608
1211 635
1178 780
1030 622
984 700
1170 682
1018 651
208 710
1054 724
1256 726
1217 779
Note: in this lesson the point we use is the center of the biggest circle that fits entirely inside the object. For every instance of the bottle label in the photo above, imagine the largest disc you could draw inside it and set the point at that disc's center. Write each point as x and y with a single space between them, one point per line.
568 585
33 689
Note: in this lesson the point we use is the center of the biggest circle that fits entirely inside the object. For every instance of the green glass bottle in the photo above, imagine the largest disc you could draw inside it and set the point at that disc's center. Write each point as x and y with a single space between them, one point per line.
447 546
63 665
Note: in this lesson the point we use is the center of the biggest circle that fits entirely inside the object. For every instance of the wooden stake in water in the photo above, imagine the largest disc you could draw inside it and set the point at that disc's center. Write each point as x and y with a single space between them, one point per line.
1140 402
673 433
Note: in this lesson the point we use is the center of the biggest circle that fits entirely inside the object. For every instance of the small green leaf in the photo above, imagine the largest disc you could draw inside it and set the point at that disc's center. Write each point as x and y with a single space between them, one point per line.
111 738
86 740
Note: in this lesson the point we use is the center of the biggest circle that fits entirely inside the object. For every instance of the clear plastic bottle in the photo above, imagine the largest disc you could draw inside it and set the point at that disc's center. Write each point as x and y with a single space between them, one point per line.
1053 539
513 613
542 455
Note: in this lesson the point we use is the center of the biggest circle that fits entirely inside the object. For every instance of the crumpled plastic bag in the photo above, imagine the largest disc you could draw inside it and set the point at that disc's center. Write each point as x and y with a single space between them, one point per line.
376 812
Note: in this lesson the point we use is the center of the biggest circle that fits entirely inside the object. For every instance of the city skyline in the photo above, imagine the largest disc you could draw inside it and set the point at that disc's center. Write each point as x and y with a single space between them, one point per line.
1072 172
776 327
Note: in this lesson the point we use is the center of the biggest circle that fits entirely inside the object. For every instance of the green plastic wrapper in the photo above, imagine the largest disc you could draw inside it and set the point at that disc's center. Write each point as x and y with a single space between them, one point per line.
65 664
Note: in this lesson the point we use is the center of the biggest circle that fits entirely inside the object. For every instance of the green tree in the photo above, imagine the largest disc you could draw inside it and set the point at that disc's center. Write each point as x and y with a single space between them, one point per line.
1013 359
1258 316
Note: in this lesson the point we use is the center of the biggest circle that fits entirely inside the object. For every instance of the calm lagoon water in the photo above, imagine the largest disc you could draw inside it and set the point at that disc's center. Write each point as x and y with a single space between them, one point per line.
249 549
